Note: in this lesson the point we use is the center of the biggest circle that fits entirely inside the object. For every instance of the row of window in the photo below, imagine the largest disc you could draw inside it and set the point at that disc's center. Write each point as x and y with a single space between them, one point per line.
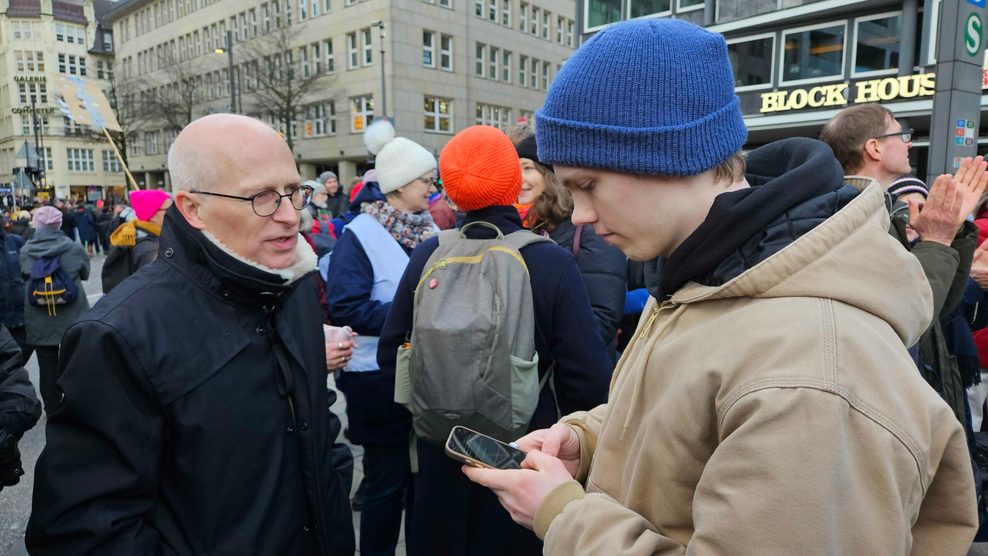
69 127
598 13
491 62
34 61
67 33
82 160
280 11
817 52
72 34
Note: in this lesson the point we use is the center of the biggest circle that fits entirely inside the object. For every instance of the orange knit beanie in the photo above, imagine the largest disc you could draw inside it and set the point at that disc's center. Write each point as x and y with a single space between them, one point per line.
479 169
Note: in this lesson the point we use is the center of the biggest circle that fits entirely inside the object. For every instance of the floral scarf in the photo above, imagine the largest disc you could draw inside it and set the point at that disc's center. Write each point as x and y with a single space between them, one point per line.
407 228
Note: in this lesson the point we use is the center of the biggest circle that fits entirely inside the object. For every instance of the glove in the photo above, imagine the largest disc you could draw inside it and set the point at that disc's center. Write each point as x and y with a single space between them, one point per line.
10 461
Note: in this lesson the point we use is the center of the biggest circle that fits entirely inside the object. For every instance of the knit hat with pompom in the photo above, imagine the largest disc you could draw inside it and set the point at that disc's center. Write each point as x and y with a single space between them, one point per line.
398 161
480 168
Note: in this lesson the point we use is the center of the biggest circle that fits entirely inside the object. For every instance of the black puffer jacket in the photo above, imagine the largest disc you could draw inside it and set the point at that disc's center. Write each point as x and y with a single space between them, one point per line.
195 417
605 273
19 405
11 280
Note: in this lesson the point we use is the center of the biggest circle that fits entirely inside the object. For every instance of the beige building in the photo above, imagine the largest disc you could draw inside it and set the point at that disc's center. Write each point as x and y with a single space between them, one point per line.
448 64
40 39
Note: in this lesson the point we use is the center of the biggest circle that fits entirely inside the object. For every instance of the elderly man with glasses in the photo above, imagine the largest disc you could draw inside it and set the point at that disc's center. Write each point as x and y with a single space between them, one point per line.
872 145
194 415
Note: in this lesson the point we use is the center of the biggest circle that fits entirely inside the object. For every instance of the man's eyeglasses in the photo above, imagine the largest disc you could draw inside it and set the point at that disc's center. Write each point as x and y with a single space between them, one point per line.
906 135
266 203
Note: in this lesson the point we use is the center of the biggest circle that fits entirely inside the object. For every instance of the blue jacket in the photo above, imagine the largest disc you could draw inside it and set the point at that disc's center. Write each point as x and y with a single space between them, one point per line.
373 416
11 281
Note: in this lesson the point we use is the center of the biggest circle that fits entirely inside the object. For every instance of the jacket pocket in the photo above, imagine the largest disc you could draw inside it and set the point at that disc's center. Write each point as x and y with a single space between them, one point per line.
524 390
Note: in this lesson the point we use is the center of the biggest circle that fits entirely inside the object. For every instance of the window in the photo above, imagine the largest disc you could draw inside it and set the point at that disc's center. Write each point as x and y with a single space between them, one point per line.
479 67
303 9
151 142
316 58
560 28
506 66
493 59
533 69
320 119
545 76
522 70
446 52
492 10
478 8
23 30
315 8
569 33
27 128
601 12
523 18
446 3
489 114
80 160
304 55
545 24
641 8
71 128
506 13
103 70
689 5
46 153
32 92
29 60
813 53
428 48
352 53
60 32
877 46
110 162
437 115
361 112
327 47
368 47
751 59
533 27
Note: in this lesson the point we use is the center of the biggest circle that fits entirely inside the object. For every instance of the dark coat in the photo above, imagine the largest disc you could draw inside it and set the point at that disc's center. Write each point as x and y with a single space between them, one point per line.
86 225
452 515
11 281
68 223
44 329
605 272
19 405
195 417
338 204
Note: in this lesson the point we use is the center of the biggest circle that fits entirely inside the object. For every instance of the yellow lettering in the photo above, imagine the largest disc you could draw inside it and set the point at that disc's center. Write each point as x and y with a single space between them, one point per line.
836 96
867 91
909 86
888 89
772 102
817 97
797 99
928 84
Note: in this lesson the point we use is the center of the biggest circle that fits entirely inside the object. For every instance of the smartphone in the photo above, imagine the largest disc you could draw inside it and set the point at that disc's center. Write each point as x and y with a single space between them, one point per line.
480 450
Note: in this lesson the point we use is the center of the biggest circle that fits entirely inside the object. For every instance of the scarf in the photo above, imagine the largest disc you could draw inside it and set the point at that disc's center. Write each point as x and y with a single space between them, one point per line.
126 234
408 229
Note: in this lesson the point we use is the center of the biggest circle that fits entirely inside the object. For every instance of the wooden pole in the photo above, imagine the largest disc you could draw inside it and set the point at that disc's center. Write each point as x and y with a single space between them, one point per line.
133 182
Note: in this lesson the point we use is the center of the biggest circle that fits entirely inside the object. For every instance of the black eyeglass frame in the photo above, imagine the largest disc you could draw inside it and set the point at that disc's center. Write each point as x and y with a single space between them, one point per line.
305 189
900 133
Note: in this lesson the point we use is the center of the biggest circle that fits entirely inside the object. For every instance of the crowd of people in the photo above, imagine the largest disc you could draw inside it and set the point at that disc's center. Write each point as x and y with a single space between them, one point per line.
699 349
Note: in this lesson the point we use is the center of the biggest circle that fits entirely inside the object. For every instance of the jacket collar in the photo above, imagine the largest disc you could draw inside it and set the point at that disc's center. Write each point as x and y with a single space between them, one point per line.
227 275
506 219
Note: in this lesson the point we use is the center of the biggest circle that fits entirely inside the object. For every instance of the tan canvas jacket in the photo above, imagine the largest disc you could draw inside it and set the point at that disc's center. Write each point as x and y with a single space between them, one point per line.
776 414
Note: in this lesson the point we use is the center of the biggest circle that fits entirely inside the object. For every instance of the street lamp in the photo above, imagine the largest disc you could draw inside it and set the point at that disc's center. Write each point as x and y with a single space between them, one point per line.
229 52
384 92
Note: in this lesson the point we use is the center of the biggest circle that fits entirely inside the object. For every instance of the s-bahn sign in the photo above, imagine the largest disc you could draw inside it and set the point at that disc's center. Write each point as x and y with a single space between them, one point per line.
842 94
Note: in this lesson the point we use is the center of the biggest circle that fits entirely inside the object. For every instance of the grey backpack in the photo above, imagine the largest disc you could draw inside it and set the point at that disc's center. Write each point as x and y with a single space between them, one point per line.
471 358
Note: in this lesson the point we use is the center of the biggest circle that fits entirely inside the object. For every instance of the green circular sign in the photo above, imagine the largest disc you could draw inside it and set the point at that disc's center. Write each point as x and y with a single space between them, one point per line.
972 34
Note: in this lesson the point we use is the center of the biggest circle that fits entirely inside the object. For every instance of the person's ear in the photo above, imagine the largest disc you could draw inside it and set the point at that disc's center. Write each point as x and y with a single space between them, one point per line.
189 205
873 149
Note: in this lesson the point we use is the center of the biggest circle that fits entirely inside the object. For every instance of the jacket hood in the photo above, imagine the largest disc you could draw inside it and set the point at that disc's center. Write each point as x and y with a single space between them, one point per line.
851 258
47 243
369 193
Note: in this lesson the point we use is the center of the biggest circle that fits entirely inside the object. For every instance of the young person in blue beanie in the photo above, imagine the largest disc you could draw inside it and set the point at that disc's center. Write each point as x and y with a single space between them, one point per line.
767 404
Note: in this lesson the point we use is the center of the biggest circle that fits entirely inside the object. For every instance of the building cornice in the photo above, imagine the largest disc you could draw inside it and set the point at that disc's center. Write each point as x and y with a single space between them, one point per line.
125 8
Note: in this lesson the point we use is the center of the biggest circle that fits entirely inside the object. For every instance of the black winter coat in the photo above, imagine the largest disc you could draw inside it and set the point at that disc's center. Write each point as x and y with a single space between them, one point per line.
11 280
19 405
195 417
605 273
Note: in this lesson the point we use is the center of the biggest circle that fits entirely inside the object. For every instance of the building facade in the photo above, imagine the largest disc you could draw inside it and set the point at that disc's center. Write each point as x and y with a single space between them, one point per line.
40 39
799 62
447 64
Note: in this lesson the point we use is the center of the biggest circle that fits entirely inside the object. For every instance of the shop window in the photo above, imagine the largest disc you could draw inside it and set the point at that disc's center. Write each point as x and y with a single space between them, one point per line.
878 42
751 59
640 8
813 53
602 12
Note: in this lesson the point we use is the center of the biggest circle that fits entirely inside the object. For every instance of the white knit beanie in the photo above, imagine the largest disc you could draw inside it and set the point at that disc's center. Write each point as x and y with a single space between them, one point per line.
398 161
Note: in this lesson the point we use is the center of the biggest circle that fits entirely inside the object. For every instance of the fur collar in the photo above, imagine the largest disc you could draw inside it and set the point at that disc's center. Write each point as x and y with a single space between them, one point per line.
305 259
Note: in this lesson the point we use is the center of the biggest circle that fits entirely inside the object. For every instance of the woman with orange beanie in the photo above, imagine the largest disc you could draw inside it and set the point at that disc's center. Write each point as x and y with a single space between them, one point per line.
451 515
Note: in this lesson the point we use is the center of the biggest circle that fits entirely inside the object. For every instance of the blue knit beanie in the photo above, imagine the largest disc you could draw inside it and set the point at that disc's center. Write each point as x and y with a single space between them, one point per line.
645 97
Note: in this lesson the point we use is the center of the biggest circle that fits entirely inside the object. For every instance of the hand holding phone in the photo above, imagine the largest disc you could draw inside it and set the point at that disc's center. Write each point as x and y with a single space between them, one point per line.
480 450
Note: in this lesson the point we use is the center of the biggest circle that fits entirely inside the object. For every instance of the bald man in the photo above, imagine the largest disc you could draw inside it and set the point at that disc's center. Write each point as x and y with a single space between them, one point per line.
194 415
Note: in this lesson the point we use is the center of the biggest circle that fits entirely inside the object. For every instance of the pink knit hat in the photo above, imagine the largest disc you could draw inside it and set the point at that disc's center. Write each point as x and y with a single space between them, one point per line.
146 202
47 218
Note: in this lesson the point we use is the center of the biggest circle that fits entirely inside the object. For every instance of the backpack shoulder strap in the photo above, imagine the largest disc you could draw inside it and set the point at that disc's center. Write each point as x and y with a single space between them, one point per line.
523 238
